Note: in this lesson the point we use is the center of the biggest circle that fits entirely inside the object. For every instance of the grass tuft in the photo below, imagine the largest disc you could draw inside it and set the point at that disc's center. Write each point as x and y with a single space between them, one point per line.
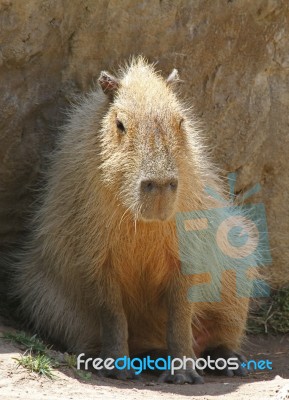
32 343
40 359
39 363
35 359
70 360
272 316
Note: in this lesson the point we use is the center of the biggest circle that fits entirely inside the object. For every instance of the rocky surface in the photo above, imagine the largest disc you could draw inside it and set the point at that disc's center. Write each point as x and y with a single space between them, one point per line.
233 56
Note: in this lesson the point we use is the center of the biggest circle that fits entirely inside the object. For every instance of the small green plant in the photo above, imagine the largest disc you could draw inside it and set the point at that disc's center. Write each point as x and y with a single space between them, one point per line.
70 360
39 363
35 359
272 316
83 374
32 343
39 358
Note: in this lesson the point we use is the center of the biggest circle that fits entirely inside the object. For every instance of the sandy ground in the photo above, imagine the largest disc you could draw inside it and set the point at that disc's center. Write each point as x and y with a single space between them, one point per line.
17 383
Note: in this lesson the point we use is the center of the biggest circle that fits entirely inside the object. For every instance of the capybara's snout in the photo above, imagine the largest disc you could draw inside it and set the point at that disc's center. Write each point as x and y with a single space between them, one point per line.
158 197
157 186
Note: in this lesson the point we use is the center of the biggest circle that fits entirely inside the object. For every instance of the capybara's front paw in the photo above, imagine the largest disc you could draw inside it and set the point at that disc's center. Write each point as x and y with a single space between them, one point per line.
237 366
181 376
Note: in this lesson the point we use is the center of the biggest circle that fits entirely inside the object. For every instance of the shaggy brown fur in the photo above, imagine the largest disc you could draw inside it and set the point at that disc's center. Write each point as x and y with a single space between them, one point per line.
101 271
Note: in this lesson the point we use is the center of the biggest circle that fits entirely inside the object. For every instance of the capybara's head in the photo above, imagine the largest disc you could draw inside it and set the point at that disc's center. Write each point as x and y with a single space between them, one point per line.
144 143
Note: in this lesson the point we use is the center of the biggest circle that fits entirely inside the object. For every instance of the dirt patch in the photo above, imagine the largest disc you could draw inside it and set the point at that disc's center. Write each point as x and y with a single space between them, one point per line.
17 383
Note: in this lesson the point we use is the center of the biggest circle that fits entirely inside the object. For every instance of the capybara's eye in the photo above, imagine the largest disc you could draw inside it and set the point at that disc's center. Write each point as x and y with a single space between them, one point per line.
181 122
120 125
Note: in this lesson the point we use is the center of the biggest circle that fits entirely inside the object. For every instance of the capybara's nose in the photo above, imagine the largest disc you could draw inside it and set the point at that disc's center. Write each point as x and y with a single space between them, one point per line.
155 185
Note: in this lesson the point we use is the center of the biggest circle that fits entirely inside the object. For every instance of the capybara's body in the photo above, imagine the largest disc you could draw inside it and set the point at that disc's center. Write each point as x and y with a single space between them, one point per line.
101 270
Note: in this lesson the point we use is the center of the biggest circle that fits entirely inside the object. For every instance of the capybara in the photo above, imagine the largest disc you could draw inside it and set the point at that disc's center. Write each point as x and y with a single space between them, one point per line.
102 272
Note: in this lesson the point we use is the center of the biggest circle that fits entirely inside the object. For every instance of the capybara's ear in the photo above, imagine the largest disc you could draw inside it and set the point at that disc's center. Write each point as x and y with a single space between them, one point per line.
108 83
173 77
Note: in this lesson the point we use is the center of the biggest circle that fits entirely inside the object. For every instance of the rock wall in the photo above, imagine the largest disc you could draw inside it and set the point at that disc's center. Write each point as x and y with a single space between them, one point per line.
233 56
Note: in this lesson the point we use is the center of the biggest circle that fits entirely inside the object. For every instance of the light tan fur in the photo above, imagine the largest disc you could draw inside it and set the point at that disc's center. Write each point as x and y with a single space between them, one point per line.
91 230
